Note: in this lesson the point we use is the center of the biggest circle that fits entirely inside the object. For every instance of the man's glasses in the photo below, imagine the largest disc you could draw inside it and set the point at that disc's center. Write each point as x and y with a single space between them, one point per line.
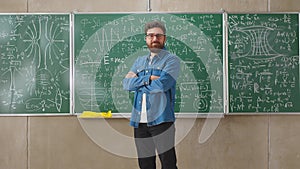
152 35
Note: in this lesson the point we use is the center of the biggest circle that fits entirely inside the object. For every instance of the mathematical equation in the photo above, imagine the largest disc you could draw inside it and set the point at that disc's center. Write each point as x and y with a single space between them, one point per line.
109 44
263 63
35 58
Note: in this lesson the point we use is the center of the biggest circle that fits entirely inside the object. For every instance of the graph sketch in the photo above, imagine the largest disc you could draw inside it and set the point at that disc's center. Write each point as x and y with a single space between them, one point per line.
35 63
263 63
106 45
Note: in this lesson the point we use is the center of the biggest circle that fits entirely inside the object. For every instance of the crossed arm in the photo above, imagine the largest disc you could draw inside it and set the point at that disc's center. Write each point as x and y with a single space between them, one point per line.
131 74
153 83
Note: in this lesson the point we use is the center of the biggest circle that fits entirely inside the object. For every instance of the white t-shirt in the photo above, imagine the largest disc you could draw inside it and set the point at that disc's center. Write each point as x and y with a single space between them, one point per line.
144 111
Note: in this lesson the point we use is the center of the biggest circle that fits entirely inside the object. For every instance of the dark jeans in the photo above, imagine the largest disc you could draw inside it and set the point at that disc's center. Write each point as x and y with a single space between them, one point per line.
160 138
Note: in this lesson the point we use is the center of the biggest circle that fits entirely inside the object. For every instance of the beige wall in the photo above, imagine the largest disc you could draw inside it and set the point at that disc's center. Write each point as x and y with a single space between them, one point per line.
245 142
156 5
239 142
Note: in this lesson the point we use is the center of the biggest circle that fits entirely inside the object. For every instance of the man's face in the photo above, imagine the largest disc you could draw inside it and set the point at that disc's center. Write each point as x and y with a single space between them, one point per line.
155 39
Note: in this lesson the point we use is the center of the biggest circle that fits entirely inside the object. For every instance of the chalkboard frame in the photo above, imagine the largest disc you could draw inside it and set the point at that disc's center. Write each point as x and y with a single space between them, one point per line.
182 114
70 57
230 113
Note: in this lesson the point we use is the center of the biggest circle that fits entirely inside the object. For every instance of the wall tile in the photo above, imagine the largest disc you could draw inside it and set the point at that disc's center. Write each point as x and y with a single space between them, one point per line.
213 5
60 142
13 141
12 6
87 6
284 6
284 142
238 142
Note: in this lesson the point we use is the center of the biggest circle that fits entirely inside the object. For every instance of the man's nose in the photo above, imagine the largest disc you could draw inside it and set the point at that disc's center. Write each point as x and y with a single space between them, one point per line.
155 37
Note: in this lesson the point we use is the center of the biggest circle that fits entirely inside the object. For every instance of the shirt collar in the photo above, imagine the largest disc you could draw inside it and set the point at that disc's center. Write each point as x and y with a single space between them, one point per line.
161 54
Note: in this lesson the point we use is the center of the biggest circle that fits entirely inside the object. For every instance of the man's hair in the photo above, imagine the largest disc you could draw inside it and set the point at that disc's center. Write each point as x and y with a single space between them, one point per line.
155 24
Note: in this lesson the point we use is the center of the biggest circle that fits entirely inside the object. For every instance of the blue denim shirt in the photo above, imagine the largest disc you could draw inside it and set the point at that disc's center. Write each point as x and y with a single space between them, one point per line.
160 93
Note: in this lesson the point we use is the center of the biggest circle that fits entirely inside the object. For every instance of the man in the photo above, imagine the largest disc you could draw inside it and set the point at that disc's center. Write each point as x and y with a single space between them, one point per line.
153 79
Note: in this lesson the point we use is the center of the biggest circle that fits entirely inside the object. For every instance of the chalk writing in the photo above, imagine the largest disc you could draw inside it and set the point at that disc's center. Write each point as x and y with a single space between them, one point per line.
106 46
263 63
34 74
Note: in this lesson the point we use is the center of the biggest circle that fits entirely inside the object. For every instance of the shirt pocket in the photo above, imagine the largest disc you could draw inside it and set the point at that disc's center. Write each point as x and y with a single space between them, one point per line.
140 70
157 69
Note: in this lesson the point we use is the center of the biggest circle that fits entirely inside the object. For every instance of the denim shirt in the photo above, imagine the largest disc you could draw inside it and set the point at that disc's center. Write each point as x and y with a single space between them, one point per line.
160 93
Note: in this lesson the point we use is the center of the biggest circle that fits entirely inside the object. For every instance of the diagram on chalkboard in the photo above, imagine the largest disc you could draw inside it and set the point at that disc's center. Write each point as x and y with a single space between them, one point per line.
35 64
257 38
263 56
106 45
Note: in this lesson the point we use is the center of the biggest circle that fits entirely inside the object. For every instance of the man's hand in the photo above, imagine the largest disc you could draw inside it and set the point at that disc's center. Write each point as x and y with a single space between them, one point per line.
130 75
152 77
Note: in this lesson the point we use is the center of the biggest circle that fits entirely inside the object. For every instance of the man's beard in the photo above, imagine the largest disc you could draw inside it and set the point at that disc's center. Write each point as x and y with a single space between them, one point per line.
155 47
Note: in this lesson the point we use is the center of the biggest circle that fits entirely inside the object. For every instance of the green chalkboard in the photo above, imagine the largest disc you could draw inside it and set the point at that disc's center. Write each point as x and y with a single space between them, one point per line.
263 54
34 63
106 45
